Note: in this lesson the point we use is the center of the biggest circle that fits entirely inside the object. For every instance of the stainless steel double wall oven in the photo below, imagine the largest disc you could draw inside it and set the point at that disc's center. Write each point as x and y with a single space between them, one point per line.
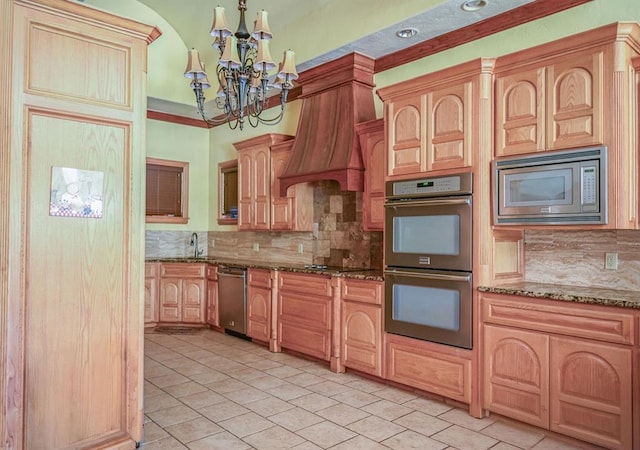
428 259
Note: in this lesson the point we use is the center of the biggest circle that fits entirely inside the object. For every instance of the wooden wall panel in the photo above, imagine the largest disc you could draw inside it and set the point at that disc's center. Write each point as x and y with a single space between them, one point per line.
82 69
75 317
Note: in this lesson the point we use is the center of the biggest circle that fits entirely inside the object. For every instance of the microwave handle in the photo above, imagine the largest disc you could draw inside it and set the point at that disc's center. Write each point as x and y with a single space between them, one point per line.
427 202
432 276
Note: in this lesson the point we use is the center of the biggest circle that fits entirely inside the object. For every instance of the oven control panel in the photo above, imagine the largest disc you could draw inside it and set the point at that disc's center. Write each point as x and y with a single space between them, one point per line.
448 185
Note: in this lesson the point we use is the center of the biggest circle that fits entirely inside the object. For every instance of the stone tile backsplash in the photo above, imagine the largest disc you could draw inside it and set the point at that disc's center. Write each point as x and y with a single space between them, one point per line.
173 244
337 238
577 258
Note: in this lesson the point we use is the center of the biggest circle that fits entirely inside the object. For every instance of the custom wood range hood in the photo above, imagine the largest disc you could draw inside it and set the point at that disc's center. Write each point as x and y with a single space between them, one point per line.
336 96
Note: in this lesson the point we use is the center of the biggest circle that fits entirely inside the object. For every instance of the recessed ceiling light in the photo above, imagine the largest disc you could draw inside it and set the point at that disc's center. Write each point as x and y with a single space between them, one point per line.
473 5
406 33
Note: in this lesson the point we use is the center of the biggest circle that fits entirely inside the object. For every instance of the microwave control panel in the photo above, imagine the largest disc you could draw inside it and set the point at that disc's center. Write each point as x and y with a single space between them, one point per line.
589 180
449 185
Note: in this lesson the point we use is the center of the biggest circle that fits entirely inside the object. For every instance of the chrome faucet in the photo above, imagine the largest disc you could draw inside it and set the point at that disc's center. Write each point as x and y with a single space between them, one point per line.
194 244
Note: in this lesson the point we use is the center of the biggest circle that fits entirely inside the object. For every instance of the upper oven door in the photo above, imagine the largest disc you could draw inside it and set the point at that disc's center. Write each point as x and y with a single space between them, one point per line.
430 233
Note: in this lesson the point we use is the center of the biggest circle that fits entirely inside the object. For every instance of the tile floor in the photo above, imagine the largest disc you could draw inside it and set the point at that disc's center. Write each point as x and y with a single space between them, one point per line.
215 391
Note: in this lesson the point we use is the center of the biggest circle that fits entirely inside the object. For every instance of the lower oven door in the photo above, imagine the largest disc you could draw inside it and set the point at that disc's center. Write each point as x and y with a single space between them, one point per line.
429 305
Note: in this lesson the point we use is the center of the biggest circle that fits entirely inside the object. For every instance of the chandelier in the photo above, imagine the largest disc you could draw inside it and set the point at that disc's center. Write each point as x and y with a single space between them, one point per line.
242 72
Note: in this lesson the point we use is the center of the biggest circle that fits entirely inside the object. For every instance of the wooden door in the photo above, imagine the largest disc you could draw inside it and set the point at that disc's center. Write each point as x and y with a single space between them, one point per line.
259 313
151 294
245 189
261 181
517 374
520 112
194 300
371 137
406 136
77 269
362 334
212 303
281 207
449 134
170 300
591 397
574 108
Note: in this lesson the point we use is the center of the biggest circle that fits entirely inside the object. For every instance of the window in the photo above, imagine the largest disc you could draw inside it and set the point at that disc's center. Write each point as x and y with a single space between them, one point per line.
167 191
228 192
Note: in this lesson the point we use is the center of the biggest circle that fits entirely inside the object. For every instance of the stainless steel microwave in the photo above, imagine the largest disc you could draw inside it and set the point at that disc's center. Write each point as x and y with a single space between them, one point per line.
563 187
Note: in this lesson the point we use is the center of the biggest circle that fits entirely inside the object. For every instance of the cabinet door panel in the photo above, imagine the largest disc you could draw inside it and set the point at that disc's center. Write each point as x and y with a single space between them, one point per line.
517 380
212 303
362 334
170 300
449 140
193 301
259 313
575 103
520 103
406 134
591 391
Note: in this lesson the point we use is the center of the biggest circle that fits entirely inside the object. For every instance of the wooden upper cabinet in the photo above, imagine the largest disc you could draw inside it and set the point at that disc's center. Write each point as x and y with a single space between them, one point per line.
371 136
293 212
557 105
434 121
261 160
577 92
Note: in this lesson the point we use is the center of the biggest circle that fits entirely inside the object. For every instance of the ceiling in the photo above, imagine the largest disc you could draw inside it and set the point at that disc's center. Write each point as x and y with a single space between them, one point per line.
192 21
352 26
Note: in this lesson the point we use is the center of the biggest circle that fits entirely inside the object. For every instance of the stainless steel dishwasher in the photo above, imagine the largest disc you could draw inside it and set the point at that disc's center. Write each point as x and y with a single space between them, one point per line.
232 298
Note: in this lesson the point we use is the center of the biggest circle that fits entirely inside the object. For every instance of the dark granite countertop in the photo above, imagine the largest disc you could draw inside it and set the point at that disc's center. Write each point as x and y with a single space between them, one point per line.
346 272
577 294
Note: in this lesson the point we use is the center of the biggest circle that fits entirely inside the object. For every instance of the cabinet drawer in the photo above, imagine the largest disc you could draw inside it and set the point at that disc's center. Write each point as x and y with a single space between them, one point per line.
579 320
418 364
303 339
150 270
304 309
212 272
308 284
362 291
260 278
183 270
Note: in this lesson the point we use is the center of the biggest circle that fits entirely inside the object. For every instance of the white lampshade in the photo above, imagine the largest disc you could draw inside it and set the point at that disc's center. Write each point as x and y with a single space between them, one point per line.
230 58
264 62
219 28
288 69
261 27
195 69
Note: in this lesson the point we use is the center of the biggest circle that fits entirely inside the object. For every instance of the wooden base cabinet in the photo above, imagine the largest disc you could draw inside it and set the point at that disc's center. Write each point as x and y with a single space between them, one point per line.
259 305
537 372
362 325
305 314
213 318
183 293
151 271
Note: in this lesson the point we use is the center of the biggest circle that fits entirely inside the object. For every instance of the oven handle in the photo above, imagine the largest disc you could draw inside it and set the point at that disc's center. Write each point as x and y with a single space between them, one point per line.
424 202
431 276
